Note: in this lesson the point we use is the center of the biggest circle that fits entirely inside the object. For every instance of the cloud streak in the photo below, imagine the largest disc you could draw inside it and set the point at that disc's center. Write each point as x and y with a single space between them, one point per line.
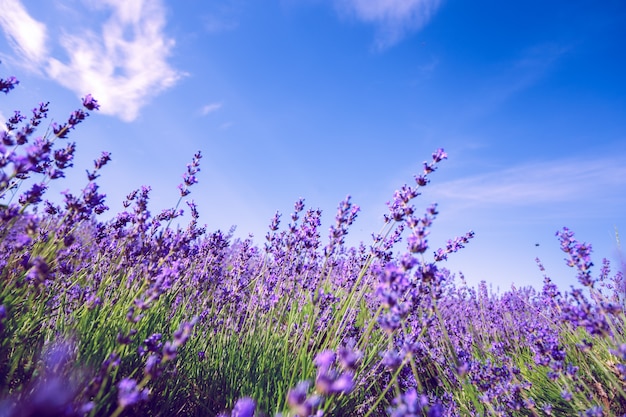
533 184
210 108
123 64
394 19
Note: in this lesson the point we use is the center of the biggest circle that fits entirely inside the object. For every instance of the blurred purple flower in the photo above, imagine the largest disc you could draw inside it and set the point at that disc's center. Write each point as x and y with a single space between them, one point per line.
153 368
324 359
3 316
39 272
301 404
244 407
129 393
409 404
349 357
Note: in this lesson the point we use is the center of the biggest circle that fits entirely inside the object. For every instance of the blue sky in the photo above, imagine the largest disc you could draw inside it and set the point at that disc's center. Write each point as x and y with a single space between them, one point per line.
324 98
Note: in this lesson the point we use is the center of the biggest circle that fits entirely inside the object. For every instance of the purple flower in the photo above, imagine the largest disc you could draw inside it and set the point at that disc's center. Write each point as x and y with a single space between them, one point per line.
3 316
579 256
409 404
566 395
348 357
391 359
169 351
346 215
98 164
129 394
439 155
39 272
8 84
324 359
14 120
297 396
189 177
416 241
182 334
343 383
152 344
329 381
244 407
595 411
153 367
33 196
620 352
90 103
453 246
298 401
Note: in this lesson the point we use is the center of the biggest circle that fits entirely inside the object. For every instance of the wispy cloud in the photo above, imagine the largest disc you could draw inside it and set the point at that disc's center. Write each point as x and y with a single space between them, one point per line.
123 64
26 35
532 184
394 19
210 108
513 77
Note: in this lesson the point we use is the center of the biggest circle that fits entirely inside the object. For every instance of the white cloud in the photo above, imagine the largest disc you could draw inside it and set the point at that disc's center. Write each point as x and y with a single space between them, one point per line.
210 108
26 35
564 181
123 64
394 19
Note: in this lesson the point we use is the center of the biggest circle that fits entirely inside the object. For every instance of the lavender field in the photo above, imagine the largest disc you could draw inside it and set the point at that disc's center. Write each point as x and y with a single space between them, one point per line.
138 316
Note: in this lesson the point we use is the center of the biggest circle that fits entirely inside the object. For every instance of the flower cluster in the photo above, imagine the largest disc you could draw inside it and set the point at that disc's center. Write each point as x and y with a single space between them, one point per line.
303 328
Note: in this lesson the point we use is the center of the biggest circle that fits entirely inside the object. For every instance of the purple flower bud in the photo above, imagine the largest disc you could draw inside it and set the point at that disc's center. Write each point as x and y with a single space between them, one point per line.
439 155
8 84
90 103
